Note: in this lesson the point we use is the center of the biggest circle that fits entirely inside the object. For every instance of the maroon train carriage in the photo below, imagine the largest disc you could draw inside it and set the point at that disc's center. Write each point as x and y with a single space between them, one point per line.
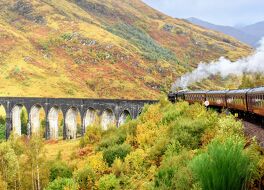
255 99
195 96
236 99
217 98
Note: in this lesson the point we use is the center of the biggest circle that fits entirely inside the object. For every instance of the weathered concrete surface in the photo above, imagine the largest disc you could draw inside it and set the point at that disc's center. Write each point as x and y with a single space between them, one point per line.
53 121
111 112
89 118
108 119
16 121
71 123
34 120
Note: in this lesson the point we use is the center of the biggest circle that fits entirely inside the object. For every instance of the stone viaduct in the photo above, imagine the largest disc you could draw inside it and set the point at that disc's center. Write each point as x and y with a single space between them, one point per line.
110 112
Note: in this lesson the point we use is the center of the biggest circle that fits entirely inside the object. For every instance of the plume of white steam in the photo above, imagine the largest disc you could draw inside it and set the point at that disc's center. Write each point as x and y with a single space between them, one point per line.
251 64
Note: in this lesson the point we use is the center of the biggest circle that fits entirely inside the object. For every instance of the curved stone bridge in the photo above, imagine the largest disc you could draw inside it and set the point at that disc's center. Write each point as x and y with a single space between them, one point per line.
110 112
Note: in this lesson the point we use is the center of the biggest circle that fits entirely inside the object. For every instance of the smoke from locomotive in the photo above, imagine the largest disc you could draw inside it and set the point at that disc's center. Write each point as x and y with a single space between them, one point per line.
251 64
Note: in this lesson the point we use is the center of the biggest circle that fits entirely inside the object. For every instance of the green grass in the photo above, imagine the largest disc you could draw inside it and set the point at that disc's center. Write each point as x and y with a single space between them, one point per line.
224 166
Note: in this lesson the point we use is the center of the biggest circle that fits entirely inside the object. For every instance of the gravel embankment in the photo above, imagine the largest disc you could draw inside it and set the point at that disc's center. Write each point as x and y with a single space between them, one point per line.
252 130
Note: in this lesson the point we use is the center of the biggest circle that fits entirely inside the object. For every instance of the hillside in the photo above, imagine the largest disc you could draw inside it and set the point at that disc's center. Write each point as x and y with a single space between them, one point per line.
106 49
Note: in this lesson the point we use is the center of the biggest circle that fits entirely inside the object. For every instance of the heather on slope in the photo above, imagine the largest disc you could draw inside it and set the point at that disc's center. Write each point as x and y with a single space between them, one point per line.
106 49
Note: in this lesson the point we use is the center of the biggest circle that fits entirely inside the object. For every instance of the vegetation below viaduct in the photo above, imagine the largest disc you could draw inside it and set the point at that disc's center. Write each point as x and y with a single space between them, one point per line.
170 146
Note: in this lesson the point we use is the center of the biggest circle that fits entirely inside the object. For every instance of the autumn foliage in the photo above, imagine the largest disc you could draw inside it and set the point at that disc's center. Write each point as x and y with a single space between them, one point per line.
170 146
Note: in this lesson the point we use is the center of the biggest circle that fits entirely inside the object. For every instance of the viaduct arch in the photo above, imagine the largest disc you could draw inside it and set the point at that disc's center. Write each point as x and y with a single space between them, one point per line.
111 112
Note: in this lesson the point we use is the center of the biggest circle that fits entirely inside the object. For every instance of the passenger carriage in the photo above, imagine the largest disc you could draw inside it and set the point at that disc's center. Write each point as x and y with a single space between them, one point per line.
217 98
255 99
195 96
237 99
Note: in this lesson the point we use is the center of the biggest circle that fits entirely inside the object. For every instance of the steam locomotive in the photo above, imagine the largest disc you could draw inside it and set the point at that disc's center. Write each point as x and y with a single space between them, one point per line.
246 101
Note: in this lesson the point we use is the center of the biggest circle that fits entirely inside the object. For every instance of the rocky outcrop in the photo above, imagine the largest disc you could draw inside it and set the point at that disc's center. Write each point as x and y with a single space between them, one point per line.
26 10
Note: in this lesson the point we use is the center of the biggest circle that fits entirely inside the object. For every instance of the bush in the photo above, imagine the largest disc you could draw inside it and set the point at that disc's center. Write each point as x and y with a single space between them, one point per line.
97 164
2 132
59 169
117 167
173 111
109 182
2 120
189 128
92 135
135 162
85 178
189 132
117 151
174 173
3 184
112 138
62 184
223 166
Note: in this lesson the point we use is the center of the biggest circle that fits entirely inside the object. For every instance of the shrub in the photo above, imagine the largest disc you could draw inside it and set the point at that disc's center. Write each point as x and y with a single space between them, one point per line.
111 139
62 184
172 111
223 166
85 178
2 132
135 162
92 135
118 167
59 169
228 126
109 182
174 173
3 184
148 130
188 132
2 120
159 148
67 36
117 151
97 164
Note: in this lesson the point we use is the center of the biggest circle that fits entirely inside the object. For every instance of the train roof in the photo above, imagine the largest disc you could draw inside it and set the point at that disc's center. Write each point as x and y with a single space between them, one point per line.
239 91
256 90
197 92
217 91
182 91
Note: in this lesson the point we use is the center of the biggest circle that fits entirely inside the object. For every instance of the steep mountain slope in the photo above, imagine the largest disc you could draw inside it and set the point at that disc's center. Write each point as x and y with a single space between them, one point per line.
242 35
93 48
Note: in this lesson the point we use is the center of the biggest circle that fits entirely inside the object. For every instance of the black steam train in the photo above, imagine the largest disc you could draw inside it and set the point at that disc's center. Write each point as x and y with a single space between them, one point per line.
246 101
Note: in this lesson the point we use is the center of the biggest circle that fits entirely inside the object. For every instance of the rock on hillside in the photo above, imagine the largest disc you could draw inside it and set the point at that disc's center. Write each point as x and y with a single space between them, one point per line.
93 48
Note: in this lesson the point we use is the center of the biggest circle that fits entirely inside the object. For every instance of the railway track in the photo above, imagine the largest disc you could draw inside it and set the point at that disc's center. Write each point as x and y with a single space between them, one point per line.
253 129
